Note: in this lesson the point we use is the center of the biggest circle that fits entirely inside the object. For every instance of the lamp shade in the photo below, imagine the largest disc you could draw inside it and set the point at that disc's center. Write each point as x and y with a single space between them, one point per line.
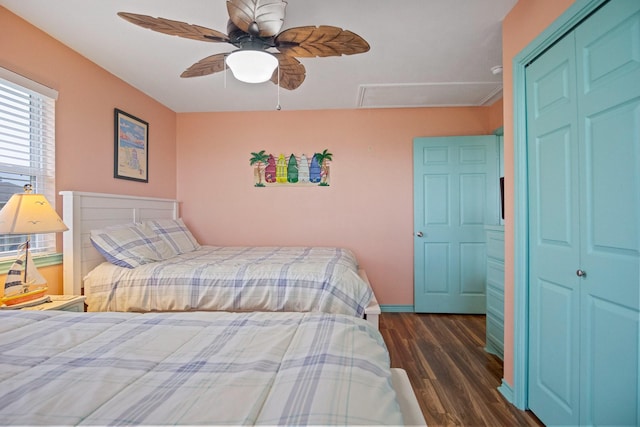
27 213
252 66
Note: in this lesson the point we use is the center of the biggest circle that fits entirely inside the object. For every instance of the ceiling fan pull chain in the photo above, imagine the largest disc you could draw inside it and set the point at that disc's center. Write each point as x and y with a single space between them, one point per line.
278 107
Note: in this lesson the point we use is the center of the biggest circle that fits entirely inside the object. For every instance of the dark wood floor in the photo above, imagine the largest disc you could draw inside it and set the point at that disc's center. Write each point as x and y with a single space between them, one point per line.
454 379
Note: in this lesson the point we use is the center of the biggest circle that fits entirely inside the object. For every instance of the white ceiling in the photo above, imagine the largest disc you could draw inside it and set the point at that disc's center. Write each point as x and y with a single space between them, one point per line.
423 52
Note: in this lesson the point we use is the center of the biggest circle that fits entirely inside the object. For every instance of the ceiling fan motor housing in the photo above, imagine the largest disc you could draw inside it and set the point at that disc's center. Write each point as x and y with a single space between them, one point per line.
243 40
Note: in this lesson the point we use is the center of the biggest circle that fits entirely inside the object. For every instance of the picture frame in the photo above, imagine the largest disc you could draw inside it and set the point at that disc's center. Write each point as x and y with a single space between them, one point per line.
131 147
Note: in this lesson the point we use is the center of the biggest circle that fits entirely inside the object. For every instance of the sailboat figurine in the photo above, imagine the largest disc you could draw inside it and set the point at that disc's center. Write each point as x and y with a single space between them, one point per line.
24 284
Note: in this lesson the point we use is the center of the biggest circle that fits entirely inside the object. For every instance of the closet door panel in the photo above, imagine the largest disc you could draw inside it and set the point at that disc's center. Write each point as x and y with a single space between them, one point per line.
611 190
554 177
609 50
611 166
556 339
553 236
608 62
609 364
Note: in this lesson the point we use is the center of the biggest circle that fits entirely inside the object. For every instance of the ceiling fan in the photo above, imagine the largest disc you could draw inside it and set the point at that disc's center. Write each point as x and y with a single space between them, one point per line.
254 28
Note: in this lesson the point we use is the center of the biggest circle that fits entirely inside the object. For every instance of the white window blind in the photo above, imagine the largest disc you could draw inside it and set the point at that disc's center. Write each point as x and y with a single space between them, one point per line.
27 150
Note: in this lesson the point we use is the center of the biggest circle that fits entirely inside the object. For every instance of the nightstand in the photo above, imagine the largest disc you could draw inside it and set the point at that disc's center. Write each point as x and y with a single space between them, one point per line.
61 302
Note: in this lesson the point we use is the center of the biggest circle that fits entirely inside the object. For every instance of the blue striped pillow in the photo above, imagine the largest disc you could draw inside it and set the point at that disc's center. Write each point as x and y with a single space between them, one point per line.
175 234
128 245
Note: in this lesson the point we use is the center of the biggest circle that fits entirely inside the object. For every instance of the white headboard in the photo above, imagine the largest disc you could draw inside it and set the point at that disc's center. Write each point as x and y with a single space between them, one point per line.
83 212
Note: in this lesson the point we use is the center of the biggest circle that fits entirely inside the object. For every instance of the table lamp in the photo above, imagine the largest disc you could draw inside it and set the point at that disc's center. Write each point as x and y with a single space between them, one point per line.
26 213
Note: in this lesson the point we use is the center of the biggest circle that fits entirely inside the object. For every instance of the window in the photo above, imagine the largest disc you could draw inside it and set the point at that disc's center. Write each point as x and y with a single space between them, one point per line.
27 150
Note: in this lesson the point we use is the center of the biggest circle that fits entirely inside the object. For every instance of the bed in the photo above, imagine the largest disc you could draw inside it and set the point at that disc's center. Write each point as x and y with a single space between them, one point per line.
254 278
190 368
234 279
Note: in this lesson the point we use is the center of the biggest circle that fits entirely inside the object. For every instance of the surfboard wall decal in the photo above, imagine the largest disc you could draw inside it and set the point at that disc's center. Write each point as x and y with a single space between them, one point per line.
270 170
292 170
303 170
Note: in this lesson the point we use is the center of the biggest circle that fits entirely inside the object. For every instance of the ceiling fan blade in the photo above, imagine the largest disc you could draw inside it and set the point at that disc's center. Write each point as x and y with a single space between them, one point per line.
267 14
175 28
292 72
209 65
325 40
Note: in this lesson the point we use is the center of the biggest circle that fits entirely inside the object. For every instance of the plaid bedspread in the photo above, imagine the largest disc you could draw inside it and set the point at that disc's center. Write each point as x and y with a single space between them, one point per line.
314 279
62 368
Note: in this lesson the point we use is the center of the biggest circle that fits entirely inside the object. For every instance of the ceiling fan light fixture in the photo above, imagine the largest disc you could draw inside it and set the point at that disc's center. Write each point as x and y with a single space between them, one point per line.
252 66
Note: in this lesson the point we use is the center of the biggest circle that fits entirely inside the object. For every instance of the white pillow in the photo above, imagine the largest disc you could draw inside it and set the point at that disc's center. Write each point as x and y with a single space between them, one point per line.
128 245
175 234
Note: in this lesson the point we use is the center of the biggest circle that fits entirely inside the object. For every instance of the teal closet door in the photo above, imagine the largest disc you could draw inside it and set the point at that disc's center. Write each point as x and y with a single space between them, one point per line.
554 236
608 58
583 113
456 191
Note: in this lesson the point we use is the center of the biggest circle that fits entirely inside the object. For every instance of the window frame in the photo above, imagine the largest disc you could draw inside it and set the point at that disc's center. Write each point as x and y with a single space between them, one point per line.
27 145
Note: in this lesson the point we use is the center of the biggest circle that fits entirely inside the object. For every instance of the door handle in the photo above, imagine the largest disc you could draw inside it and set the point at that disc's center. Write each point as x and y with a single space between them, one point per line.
581 273
419 234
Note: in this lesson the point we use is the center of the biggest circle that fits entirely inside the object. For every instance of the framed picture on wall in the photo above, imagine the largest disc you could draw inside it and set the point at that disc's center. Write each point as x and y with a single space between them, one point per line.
131 147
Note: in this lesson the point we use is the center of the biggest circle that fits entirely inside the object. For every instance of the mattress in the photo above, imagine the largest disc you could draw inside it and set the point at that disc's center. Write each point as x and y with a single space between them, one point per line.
192 368
306 279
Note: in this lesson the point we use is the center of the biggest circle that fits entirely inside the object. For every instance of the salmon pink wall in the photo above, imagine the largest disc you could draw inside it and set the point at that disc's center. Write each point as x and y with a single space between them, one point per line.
525 21
84 115
368 207
495 114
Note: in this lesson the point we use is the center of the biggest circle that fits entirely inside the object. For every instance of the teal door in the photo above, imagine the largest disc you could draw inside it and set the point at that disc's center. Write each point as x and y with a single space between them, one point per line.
455 195
583 114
